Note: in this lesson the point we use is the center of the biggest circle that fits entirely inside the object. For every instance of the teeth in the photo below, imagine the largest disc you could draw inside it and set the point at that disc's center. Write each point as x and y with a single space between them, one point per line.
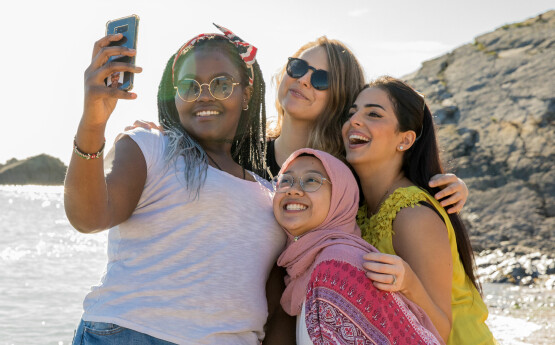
295 207
207 113
358 138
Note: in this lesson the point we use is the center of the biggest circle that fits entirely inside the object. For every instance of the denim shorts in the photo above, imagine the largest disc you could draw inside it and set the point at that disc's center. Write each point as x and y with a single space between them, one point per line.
93 333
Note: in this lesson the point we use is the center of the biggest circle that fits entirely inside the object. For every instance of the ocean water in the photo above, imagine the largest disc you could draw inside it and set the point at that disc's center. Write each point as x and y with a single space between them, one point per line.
47 268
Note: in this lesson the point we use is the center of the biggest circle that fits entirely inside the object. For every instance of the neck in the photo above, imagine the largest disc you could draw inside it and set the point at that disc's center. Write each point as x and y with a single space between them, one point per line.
220 152
378 181
294 136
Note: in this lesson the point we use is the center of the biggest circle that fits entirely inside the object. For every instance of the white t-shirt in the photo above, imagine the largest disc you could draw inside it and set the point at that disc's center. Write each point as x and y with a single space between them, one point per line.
186 270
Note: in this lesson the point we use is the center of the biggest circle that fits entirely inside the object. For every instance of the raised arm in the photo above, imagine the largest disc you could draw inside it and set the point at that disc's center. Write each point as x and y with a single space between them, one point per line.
423 269
92 201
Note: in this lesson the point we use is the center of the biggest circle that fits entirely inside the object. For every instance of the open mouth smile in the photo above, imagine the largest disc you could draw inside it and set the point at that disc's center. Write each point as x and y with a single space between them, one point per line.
294 207
204 113
356 140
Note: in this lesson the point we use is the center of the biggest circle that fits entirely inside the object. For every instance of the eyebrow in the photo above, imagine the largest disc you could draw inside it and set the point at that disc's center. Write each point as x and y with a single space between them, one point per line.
369 105
220 74
306 172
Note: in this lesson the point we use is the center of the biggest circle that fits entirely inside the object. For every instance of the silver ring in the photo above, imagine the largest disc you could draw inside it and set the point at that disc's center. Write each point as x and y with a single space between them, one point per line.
394 279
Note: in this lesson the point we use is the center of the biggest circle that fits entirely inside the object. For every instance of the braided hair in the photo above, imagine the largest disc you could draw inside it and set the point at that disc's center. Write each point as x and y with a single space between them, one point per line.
248 146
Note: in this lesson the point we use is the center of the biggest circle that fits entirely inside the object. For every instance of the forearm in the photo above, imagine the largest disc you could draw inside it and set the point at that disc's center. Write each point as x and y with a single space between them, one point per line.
85 191
416 292
280 327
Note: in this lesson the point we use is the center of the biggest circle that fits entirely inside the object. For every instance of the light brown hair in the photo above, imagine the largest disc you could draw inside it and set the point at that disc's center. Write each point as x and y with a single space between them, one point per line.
346 79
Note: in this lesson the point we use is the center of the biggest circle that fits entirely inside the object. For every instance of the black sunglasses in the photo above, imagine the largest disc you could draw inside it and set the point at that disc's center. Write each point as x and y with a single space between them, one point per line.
296 68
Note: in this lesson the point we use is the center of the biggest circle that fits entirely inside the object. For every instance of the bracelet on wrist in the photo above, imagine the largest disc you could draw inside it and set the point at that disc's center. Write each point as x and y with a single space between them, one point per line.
85 155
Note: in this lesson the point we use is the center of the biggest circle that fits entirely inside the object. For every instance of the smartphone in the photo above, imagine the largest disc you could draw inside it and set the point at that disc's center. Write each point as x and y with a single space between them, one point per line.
128 26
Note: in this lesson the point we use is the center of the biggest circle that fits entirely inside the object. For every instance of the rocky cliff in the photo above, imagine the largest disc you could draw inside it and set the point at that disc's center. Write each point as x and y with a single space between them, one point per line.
41 170
494 104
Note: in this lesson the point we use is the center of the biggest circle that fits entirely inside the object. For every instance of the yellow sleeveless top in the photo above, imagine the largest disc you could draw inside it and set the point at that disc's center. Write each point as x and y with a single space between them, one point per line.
467 306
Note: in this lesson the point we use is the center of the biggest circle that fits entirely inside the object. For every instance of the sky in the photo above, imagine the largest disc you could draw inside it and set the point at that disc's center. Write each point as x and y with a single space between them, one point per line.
47 46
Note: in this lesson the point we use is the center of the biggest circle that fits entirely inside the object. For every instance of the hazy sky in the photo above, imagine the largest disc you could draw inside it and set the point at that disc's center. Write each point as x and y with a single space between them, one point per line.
47 45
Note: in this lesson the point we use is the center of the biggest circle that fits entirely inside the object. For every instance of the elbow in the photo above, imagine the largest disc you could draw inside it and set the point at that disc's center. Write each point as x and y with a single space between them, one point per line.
86 223
86 227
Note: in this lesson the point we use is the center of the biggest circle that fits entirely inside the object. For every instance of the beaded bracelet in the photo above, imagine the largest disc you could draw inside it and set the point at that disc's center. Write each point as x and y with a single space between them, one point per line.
88 156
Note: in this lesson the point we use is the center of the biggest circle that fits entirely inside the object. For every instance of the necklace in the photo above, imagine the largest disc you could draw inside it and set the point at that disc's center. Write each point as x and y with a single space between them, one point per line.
219 168
213 161
382 199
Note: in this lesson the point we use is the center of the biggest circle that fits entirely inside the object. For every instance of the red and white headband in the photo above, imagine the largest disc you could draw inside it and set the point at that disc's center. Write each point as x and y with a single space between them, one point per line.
246 50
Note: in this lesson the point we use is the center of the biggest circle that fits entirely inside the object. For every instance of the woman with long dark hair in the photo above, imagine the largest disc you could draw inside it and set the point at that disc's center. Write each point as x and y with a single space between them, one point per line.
425 254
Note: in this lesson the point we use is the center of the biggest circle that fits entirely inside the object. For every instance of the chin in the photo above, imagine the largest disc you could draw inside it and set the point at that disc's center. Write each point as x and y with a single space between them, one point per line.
355 158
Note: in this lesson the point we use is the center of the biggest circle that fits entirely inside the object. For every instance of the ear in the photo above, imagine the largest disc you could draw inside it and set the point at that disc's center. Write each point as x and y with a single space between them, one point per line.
407 140
247 94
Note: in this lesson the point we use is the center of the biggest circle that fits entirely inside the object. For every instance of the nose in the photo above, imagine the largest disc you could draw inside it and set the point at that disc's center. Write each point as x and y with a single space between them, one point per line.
295 189
205 95
355 119
305 79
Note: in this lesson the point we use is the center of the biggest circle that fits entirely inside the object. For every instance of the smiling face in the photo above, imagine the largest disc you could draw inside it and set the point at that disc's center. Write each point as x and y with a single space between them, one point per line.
208 119
371 133
297 96
296 210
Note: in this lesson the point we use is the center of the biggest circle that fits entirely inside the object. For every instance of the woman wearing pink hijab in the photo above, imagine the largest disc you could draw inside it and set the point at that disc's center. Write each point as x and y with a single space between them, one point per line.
316 203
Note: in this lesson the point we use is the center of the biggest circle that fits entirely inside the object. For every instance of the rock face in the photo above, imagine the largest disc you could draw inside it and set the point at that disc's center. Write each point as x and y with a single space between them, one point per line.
41 170
494 104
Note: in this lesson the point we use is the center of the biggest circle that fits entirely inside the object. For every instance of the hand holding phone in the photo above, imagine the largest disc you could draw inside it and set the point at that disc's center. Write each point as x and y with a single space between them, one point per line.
128 27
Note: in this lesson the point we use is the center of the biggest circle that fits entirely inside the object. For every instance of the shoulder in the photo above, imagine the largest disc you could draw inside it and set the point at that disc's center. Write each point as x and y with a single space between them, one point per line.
418 217
262 181
419 227
151 142
142 135
403 197
380 224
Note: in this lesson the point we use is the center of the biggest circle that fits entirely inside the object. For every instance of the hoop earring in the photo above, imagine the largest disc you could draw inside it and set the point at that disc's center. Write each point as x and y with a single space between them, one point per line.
247 108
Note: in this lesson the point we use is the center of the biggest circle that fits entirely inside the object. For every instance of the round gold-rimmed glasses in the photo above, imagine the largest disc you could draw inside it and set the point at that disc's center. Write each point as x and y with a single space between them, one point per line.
220 88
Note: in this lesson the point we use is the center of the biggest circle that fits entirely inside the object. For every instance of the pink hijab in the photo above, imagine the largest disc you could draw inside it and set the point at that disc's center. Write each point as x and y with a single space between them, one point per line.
339 228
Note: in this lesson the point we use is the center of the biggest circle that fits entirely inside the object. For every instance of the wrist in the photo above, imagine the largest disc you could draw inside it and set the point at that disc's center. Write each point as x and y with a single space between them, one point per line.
89 138
87 155
408 281
91 125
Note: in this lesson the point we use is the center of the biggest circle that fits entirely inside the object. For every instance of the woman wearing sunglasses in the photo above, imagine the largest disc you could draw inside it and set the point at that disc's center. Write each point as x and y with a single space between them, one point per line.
187 262
314 91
